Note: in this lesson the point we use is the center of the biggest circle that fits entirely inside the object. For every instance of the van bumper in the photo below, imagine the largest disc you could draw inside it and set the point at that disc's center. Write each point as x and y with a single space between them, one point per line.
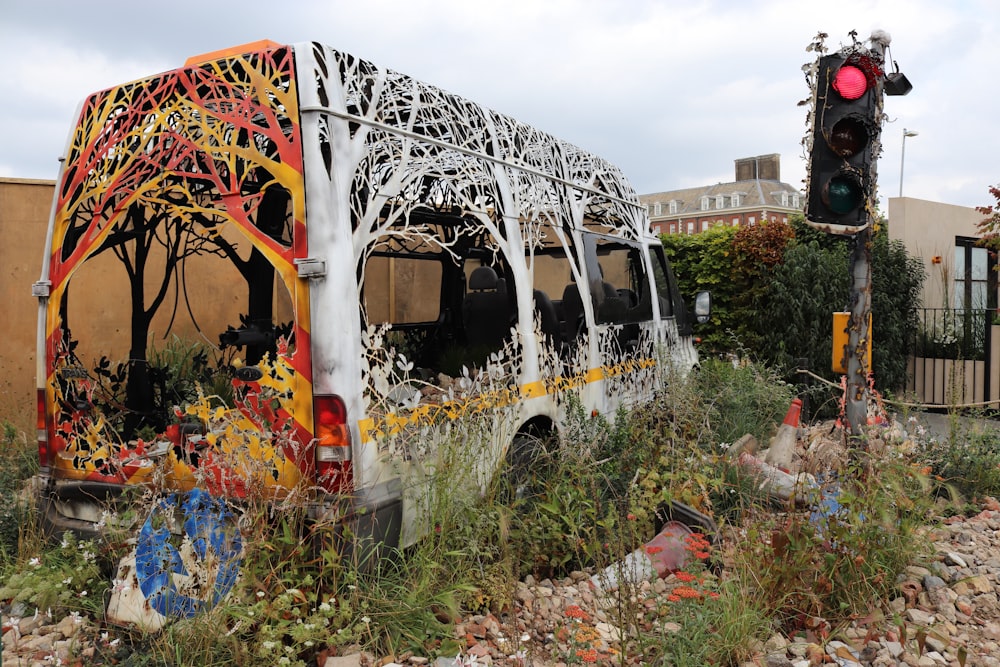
84 508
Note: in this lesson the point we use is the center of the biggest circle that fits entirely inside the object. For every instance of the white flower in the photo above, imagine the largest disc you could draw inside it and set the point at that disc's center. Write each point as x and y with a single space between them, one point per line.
366 620
260 594
68 580
268 645
325 607
34 562
283 660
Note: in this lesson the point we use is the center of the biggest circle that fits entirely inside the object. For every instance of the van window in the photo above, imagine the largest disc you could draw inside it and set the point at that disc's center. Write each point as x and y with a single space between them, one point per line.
624 295
402 290
665 287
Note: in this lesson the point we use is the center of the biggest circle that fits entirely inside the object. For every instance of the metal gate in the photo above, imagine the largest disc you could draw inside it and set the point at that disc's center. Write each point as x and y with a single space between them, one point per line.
955 358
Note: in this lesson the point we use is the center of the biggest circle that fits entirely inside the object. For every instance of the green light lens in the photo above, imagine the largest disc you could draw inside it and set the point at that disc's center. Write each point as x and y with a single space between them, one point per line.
843 194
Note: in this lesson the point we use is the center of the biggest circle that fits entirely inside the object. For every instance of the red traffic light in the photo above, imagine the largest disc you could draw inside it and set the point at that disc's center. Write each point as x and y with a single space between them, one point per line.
850 82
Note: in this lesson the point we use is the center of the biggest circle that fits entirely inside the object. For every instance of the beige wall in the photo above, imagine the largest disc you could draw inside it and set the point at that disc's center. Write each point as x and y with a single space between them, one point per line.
24 215
928 229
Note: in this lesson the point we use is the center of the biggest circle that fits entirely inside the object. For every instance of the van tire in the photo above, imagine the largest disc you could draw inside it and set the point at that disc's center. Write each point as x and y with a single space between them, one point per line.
527 460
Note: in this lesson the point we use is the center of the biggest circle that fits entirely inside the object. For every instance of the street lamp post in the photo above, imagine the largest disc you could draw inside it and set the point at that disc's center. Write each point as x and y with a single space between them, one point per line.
902 157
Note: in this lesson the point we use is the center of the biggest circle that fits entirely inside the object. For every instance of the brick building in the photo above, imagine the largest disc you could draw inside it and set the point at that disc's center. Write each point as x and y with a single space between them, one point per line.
756 195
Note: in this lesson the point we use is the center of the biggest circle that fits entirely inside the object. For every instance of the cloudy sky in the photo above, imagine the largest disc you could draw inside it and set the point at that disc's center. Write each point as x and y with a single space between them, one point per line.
673 91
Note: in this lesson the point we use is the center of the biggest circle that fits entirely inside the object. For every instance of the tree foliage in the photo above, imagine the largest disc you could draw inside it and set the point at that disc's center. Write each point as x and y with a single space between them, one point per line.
775 288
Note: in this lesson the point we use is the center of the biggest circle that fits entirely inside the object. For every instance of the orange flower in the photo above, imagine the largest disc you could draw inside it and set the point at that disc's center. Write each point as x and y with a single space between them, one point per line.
630 517
574 611
673 598
686 577
687 592
587 655
652 551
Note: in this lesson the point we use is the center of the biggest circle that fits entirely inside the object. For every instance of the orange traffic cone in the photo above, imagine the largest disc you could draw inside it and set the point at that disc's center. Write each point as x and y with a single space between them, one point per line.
782 446
794 411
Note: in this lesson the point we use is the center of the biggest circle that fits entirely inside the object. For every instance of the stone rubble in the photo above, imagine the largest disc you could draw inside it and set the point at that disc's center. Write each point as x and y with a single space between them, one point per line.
945 612
950 605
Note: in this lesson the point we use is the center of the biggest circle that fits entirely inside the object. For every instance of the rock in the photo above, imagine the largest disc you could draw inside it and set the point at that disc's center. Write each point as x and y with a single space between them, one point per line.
919 617
952 558
972 585
353 660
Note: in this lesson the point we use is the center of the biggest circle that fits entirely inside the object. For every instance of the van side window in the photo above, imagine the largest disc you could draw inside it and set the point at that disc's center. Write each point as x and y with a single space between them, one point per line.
402 290
664 286
624 293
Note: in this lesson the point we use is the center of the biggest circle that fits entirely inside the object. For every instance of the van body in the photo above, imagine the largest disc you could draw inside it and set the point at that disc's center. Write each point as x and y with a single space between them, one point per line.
282 269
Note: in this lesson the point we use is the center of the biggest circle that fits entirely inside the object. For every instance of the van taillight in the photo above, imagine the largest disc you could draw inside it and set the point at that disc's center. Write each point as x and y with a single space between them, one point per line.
333 444
41 430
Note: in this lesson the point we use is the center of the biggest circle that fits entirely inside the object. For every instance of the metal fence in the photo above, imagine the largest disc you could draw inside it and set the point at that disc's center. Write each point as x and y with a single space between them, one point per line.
952 358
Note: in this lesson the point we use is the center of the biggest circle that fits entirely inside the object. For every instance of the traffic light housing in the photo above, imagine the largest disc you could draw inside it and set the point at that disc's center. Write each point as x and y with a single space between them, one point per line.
845 141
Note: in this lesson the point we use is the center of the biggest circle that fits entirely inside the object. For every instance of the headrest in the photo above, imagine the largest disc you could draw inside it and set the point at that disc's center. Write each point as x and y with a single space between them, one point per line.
483 278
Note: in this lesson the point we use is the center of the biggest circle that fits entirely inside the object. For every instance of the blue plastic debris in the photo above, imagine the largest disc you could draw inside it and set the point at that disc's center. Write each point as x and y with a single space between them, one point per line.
213 544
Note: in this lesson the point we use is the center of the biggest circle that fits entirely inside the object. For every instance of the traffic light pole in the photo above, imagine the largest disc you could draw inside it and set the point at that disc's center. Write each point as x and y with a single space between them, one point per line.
859 336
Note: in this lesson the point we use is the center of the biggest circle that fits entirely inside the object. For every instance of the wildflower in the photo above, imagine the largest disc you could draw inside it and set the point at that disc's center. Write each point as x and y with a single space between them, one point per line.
83 594
325 607
283 660
260 594
34 562
630 517
653 550
587 655
673 598
268 645
68 580
574 611
686 577
686 592
366 620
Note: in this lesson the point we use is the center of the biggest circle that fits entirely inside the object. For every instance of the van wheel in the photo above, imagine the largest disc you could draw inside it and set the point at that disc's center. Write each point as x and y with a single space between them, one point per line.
527 461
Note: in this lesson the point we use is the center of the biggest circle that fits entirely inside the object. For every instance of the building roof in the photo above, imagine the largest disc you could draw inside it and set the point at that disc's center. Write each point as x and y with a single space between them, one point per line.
755 193
750 193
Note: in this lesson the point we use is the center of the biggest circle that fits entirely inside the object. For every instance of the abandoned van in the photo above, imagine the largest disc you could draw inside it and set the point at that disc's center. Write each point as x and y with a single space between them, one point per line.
285 270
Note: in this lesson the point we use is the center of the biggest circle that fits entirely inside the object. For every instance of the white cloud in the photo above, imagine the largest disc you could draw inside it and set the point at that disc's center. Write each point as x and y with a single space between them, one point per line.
672 90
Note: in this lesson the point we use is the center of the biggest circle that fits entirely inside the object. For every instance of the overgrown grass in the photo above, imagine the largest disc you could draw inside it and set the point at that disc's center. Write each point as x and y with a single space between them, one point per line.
593 494
18 462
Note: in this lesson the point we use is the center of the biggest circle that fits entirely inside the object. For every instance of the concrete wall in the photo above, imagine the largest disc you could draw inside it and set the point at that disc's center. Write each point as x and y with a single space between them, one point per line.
928 229
24 215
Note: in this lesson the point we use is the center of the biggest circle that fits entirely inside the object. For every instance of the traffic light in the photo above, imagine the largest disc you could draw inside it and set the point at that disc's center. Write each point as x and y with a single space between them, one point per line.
845 140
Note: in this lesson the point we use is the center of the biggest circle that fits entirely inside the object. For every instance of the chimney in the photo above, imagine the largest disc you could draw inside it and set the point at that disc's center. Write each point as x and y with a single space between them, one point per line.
763 167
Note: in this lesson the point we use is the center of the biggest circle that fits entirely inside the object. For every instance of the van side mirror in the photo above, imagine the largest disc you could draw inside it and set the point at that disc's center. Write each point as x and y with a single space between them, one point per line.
703 307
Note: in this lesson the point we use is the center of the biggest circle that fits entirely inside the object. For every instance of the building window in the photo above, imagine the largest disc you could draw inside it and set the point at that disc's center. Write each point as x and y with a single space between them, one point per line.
751 221
673 228
975 282
704 203
720 201
795 201
736 222
736 200
673 207
691 227
704 225
657 208
784 199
